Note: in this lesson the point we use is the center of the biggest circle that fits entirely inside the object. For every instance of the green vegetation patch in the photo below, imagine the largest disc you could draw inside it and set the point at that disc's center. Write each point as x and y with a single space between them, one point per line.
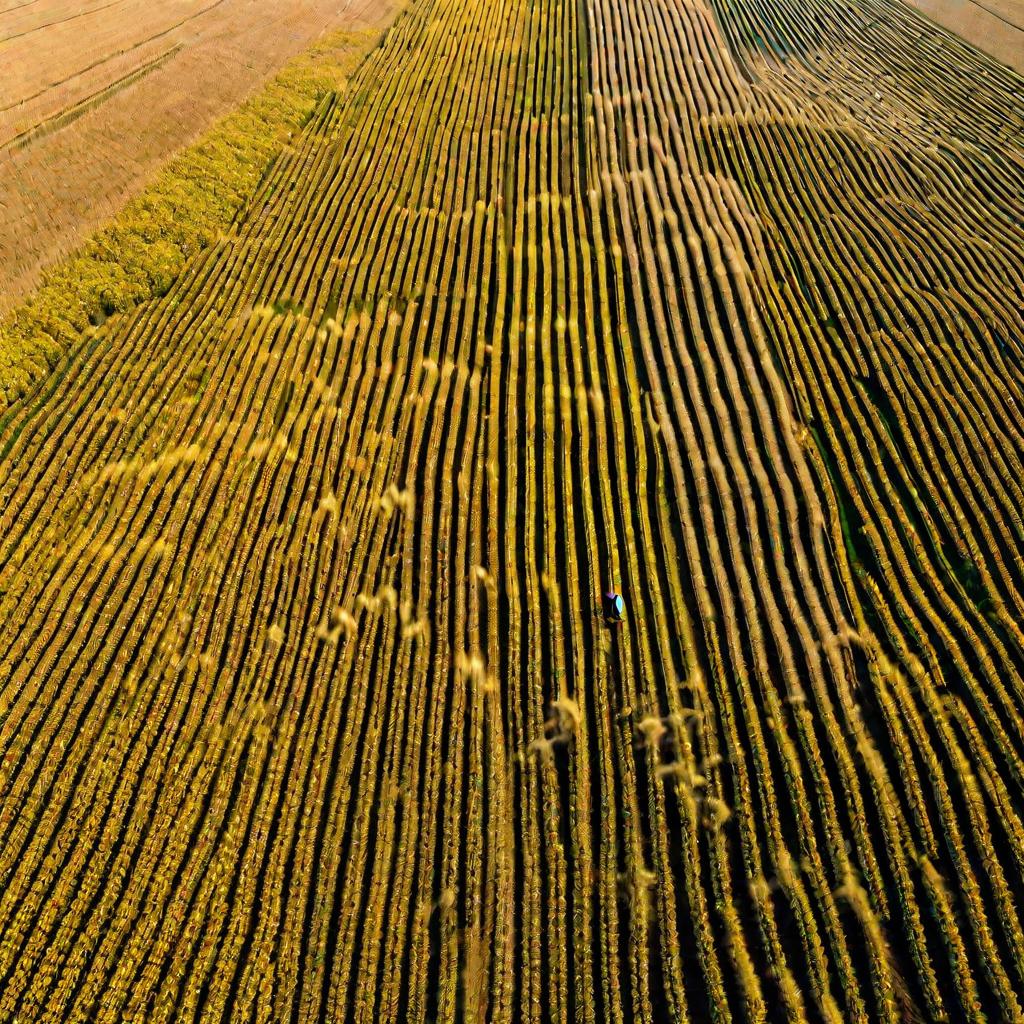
194 198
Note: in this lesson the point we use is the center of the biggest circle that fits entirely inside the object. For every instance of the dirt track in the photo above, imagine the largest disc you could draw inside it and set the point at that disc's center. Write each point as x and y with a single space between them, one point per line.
94 96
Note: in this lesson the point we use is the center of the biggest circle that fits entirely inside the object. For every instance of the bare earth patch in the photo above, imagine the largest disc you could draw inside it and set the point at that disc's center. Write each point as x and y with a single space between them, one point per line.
94 96
995 26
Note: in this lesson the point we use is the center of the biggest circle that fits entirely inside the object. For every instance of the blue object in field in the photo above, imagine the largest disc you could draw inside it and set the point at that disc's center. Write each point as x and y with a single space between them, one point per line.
614 606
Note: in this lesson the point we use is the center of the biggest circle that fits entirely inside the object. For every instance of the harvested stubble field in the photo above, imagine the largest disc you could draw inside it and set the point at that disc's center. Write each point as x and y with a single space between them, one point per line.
995 26
95 95
306 710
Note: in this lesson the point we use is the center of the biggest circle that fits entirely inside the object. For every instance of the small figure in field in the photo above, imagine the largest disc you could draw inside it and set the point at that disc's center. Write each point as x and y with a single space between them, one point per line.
614 607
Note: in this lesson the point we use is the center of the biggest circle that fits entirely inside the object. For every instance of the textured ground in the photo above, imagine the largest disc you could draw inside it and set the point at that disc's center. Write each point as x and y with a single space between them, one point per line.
995 26
94 95
306 709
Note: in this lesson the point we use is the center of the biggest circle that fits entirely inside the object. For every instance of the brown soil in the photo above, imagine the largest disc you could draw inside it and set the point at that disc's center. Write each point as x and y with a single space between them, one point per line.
94 96
995 26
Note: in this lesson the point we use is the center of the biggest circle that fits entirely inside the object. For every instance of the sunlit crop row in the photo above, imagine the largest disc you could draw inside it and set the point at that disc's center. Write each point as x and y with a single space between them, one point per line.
307 708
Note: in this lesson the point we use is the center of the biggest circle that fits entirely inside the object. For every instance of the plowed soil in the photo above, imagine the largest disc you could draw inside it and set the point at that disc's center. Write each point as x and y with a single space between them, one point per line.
95 95
995 26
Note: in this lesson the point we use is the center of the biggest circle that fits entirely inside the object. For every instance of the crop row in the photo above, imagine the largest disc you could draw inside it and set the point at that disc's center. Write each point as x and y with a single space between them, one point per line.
307 708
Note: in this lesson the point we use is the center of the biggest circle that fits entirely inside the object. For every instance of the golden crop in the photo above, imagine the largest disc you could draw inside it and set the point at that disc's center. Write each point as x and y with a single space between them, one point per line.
308 708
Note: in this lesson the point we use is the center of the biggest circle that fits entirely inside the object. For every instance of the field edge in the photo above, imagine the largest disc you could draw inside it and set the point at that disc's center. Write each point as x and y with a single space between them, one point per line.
195 196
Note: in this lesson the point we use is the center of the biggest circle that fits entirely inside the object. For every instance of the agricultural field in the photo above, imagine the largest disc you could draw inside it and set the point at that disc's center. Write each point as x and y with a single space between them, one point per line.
995 26
308 708
95 95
